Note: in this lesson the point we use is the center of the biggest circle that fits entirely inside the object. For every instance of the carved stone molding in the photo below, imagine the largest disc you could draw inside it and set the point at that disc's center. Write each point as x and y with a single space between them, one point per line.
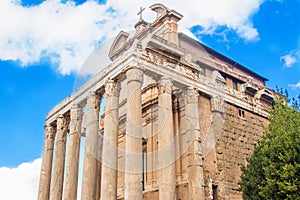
134 74
165 86
49 130
112 88
192 96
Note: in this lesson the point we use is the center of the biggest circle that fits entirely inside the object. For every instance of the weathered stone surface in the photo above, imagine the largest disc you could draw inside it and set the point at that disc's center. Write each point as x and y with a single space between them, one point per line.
46 168
58 169
166 154
133 154
91 157
71 179
110 142
195 166
185 139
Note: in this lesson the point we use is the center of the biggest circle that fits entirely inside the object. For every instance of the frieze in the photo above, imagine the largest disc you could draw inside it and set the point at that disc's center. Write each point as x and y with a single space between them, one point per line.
165 61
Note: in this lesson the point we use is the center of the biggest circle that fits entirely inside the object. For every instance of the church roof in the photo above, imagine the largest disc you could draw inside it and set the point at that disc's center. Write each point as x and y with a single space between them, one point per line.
182 36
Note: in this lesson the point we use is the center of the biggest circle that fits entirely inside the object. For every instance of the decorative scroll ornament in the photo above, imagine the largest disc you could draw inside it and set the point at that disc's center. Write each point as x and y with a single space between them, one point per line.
192 96
112 88
165 86
50 133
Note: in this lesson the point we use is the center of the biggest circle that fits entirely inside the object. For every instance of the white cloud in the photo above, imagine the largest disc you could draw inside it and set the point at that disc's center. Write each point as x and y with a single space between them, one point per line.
20 182
65 34
291 58
295 86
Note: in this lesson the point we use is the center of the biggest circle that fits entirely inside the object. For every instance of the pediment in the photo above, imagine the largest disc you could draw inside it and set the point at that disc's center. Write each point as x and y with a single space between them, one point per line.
119 41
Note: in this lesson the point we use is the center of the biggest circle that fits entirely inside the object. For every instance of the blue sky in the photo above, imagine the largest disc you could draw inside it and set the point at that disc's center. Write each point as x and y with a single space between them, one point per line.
43 45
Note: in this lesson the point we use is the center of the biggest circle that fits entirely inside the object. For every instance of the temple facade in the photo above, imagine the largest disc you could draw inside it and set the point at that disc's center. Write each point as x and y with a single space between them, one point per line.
179 120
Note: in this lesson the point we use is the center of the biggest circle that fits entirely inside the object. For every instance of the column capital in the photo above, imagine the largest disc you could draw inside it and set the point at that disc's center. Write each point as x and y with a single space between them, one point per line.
134 74
217 104
49 131
165 85
75 116
61 122
112 88
93 101
76 112
192 95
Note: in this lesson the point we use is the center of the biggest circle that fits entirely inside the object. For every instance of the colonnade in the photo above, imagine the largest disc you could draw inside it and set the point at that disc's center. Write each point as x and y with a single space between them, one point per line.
54 184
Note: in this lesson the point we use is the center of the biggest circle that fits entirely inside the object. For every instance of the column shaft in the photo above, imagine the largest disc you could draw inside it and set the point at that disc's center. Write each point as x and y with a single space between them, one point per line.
166 158
91 157
46 167
58 169
71 182
134 152
110 143
195 167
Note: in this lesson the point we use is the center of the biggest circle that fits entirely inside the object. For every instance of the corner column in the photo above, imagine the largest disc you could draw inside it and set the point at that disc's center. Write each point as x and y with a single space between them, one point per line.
89 176
46 167
166 150
110 142
71 182
134 145
58 169
195 167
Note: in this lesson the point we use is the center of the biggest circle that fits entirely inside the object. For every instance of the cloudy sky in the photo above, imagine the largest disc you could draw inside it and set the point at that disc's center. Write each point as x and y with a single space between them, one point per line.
44 44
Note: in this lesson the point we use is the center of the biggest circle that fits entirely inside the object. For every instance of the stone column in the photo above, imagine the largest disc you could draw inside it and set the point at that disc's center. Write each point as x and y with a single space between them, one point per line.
195 167
166 154
71 182
58 169
134 145
46 167
110 142
89 176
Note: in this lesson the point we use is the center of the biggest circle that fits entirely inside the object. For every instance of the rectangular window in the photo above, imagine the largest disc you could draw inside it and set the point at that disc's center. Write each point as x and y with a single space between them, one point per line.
203 71
241 114
235 85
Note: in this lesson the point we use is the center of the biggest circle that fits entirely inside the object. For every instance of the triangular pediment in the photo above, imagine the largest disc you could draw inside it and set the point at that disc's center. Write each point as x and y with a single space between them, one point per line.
119 41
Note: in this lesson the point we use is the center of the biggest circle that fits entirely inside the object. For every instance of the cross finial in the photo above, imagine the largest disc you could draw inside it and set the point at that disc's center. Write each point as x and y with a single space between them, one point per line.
141 12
